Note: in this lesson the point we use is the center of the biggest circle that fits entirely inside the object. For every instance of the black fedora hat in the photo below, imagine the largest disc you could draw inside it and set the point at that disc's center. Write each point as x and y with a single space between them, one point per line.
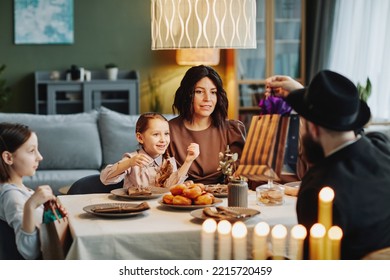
331 101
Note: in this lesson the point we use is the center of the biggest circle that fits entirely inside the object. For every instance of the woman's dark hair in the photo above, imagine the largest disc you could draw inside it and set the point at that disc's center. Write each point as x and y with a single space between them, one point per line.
184 95
12 136
141 126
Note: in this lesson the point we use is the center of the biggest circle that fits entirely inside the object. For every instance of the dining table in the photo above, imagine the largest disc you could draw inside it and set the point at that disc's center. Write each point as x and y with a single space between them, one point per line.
160 233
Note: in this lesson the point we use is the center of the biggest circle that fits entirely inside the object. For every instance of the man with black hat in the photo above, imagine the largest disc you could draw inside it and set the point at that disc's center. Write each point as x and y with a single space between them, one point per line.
356 166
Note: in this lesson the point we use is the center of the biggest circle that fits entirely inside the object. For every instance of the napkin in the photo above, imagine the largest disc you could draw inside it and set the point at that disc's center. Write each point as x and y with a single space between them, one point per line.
122 208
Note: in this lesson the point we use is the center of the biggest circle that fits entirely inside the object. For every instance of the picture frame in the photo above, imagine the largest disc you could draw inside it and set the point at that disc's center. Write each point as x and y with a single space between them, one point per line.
43 22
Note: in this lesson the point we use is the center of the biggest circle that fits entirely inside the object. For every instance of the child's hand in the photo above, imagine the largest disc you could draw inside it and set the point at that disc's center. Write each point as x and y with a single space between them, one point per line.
41 195
140 160
192 152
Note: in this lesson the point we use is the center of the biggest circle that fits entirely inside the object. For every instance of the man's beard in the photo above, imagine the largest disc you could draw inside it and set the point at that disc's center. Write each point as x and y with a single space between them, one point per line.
312 151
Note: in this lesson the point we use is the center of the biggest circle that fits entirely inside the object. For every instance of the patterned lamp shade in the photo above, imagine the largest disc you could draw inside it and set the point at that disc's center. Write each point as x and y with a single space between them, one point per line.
222 24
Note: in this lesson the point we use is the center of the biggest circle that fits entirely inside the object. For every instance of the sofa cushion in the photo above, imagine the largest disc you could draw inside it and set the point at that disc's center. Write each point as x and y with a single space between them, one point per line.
65 141
57 179
117 132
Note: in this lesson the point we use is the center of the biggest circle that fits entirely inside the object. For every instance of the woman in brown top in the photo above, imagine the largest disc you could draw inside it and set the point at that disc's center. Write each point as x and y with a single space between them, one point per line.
202 105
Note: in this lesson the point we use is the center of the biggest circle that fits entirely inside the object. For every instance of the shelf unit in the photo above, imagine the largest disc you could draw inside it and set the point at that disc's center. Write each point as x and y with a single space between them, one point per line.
280 50
62 96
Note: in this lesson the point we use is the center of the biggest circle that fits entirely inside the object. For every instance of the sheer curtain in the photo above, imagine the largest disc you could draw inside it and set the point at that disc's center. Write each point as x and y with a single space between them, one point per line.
360 48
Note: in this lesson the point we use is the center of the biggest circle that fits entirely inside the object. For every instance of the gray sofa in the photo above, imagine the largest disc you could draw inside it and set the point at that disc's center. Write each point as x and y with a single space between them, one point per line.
77 145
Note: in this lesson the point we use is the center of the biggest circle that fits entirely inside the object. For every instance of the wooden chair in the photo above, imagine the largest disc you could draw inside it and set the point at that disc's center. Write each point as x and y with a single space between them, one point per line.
92 184
263 154
381 254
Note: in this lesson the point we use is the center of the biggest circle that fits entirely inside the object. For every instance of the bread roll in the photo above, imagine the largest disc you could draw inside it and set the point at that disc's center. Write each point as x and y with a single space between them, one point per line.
192 192
204 199
201 186
178 189
168 198
181 200
188 183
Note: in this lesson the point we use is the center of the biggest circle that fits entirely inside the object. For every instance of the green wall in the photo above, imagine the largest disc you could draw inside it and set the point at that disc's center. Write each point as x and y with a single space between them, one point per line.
105 31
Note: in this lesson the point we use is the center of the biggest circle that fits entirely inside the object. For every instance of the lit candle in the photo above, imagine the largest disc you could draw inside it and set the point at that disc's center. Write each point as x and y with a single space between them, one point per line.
260 236
208 233
239 233
326 197
279 233
224 240
316 242
333 243
298 235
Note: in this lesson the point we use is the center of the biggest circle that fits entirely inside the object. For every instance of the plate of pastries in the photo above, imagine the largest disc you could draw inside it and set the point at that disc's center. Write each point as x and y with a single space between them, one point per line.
189 196
132 193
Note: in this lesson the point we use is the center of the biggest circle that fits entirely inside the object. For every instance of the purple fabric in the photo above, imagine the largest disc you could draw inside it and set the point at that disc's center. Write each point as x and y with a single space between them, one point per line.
274 105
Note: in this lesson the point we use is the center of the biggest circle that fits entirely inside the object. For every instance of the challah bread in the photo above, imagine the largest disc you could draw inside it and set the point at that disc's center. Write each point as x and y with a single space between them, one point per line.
181 200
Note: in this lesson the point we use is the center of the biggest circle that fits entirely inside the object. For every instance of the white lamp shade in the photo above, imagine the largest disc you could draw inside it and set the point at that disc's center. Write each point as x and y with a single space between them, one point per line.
222 24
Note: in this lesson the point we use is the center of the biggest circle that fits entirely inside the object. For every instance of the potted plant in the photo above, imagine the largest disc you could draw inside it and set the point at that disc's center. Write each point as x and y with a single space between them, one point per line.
237 185
4 89
364 91
112 71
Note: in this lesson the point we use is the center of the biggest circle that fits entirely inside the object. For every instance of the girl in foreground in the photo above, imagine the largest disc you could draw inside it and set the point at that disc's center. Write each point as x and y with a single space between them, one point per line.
151 165
21 207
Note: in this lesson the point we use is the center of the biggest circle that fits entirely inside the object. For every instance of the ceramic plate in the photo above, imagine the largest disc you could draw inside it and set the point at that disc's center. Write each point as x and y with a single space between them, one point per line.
293 184
190 207
292 188
156 192
217 190
89 209
243 211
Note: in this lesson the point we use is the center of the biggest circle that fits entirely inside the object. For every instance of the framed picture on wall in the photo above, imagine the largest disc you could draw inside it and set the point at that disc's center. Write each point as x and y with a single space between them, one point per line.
43 21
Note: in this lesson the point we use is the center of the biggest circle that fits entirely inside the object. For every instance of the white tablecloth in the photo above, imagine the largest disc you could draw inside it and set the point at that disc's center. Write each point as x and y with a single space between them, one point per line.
159 233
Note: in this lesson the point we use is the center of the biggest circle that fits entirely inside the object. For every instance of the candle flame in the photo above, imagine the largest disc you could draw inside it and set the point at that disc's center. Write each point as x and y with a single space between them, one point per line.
335 233
279 231
299 232
239 230
326 194
224 227
317 231
262 229
209 226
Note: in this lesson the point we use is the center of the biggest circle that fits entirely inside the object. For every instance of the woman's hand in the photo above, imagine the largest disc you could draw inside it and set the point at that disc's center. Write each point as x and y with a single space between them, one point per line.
281 85
192 152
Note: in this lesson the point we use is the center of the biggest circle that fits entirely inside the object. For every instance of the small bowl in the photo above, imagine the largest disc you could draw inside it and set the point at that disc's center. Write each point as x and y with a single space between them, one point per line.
269 195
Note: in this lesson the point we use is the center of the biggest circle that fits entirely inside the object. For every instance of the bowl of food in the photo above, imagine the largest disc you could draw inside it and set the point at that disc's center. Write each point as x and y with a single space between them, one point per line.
269 195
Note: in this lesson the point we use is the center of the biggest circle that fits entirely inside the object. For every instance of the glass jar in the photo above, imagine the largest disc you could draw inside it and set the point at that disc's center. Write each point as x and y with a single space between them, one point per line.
269 194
